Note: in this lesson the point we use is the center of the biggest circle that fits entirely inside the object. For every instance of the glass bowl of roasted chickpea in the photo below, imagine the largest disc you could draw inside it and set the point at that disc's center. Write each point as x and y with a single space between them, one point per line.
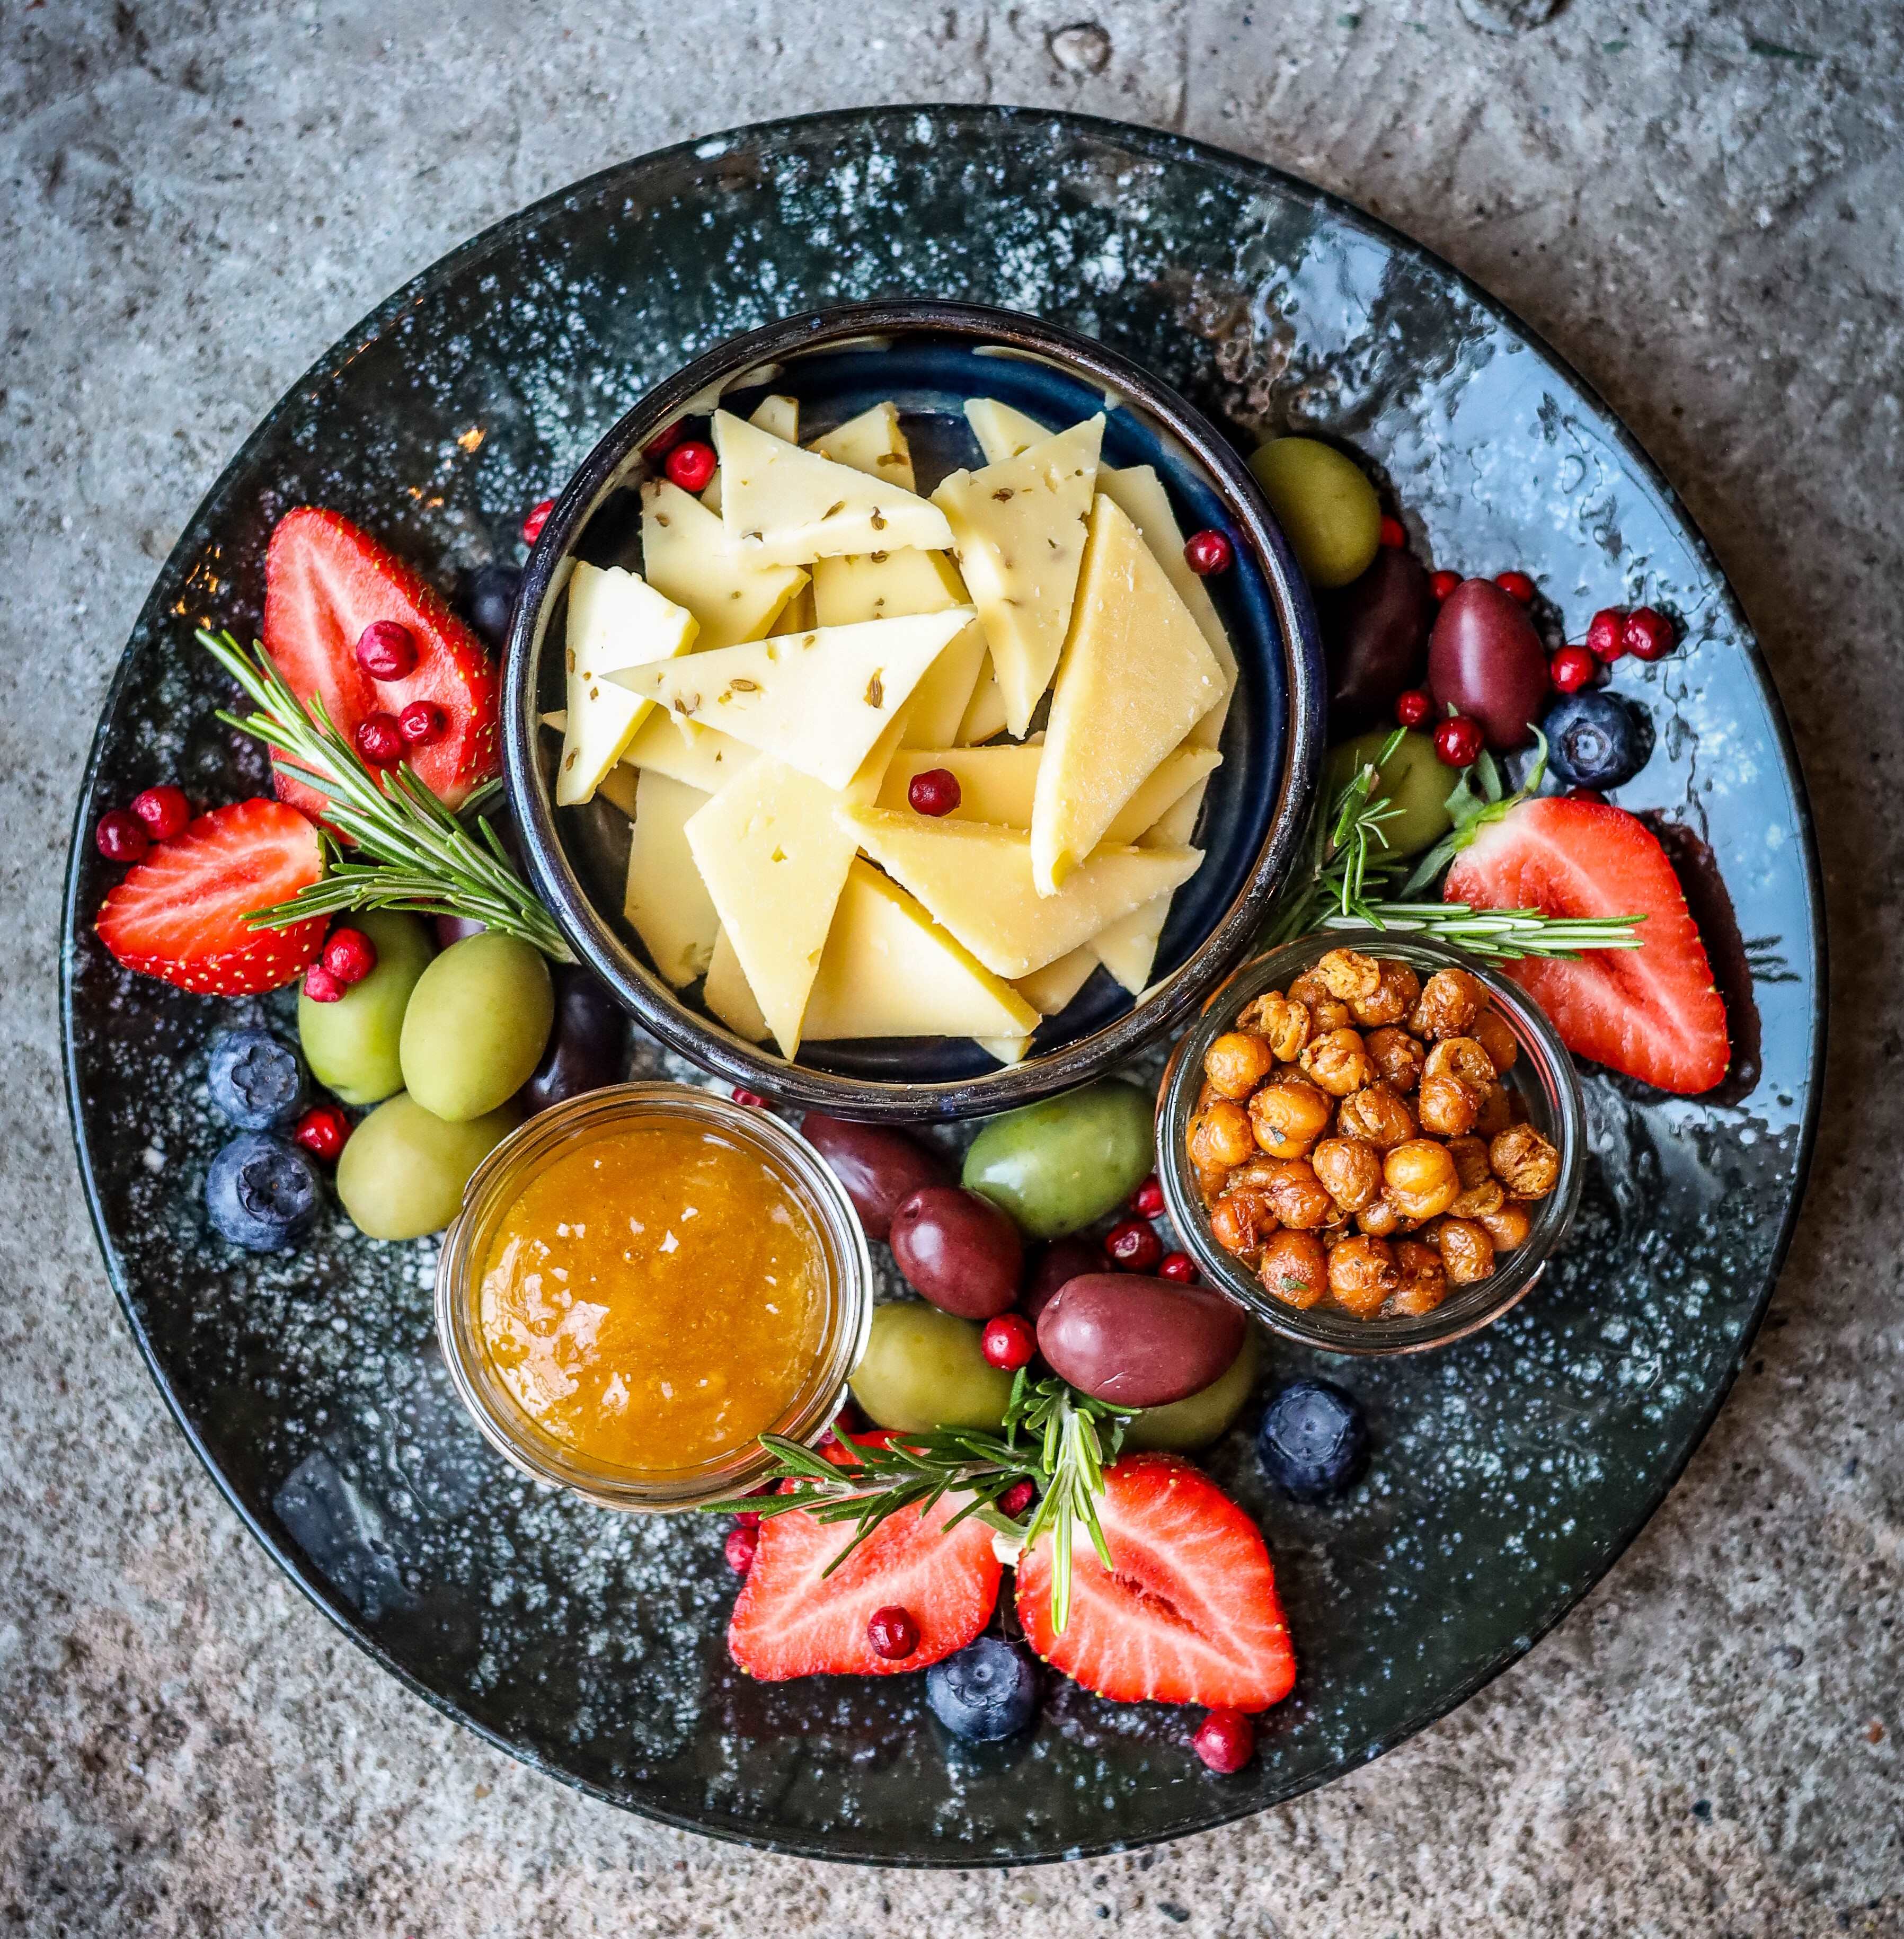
1372 1141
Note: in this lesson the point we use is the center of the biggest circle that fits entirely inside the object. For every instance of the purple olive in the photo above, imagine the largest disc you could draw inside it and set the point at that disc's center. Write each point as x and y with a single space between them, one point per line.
588 1047
878 1167
1060 1262
450 929
1485 660
1376 631
1140 1342
959 1250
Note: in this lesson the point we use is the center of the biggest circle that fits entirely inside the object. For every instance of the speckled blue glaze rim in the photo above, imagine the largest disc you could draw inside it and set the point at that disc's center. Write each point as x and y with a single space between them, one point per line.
1226 1800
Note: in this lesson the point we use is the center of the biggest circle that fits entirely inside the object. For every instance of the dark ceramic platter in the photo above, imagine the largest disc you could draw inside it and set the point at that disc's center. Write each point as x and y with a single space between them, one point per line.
1511 1470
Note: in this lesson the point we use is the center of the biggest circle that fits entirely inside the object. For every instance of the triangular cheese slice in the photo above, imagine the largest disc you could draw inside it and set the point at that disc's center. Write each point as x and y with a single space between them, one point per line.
685 554
779 416
727 994
817 701
1002 431
872 442
976 881
984 715
1136 676
889 970
1128 948
1020 534
801 615
616 620
1006 1049
787 506
664 900
1050 989
702 757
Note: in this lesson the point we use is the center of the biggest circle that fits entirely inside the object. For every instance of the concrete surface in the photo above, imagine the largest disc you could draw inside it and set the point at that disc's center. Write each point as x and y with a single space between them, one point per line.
1698 202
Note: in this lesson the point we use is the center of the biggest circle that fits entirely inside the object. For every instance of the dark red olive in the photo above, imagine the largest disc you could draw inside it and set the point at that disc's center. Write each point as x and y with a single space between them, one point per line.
1062 1260
587 1048
455 928
1139 1342
1376 632
1485 660
959 1250
879 1166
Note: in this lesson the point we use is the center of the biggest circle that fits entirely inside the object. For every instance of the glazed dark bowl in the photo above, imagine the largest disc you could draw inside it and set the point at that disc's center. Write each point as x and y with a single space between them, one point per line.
930 357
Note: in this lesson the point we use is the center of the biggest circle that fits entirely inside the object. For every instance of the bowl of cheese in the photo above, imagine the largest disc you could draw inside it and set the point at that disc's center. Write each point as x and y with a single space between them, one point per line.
940 564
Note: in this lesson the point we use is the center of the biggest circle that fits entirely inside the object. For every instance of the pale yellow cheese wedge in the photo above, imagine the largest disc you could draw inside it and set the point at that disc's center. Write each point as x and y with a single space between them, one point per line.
787 506
1020 532
1128 948
727 994
889 970
984 715
778 416
617 787
1006 1049
1136 676
616 620
801 615
976 881
872 442
685 554
1050 989
665 900
702 757
817 701
1002 431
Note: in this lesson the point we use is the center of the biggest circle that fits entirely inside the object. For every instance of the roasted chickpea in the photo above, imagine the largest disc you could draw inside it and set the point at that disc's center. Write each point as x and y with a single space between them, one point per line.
1285 1024
1420 1177
1480 1190
1447 1106
1337 1062
1325 1012
1524 1162
1332 1236
1362 1275
1462 1057
1207 1094
1496 1112
1351 1171
1398 1057
1241 1221
1294 1269
1467 1251
1288 1119
1376 1116
1237 1062
1392 998
1450 1001
1298 1197
1506 1225
1348 975
1495 1036
1380 1220
1221 1136
1424 1278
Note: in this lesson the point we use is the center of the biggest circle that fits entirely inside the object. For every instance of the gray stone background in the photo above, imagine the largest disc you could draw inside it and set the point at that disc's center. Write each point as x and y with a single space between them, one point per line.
1698 200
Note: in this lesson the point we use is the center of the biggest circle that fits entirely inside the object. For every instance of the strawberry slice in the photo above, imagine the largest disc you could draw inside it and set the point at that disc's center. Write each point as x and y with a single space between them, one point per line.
325 581
1189 1613
179 915
1652 1013
791 1619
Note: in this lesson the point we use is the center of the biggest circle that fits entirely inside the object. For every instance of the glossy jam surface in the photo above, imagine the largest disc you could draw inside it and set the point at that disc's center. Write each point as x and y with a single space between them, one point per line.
655 1298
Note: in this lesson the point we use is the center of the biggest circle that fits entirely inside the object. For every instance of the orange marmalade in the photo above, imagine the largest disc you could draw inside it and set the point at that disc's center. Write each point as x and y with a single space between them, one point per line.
654 1298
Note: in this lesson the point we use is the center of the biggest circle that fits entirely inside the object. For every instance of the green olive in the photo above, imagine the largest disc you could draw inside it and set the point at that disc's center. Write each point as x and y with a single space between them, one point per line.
478 1021
1325 505
403 1171
923 1369
1057 1166
1198 1419
352 1045
1415 779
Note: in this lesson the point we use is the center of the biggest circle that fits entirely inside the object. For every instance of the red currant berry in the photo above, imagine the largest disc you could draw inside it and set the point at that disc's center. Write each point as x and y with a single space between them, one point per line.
349 955
936 792
1458 741
1133 1247
1443 583
162 812
752 1099
387 650
1178 1266
121 836
1225 1740
1147 1201
1605 633
1394 535
379 740
321 987
1571 669
1008 1342
691 465
747 1518
1208 551
663 442
1517 586
1415 707
538 517
1647 636
1017 1499
892 1632
421 724
322 1131
739 1548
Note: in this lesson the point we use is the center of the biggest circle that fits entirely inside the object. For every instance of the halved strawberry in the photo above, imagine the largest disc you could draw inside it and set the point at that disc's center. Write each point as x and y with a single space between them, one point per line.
1189 1613
325 581
792 1620
1653 1012
180 916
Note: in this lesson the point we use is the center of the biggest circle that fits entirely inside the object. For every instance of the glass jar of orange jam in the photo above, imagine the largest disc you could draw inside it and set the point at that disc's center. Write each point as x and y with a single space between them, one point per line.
643 1282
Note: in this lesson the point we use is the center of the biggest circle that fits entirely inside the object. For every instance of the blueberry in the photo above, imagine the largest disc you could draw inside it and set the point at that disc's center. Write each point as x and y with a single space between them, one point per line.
1313 1441
988 1690
1595 739
262 1192
256 1081
489 598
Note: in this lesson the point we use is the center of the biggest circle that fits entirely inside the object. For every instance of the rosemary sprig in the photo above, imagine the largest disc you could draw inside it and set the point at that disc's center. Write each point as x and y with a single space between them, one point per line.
1055 1438
421 857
